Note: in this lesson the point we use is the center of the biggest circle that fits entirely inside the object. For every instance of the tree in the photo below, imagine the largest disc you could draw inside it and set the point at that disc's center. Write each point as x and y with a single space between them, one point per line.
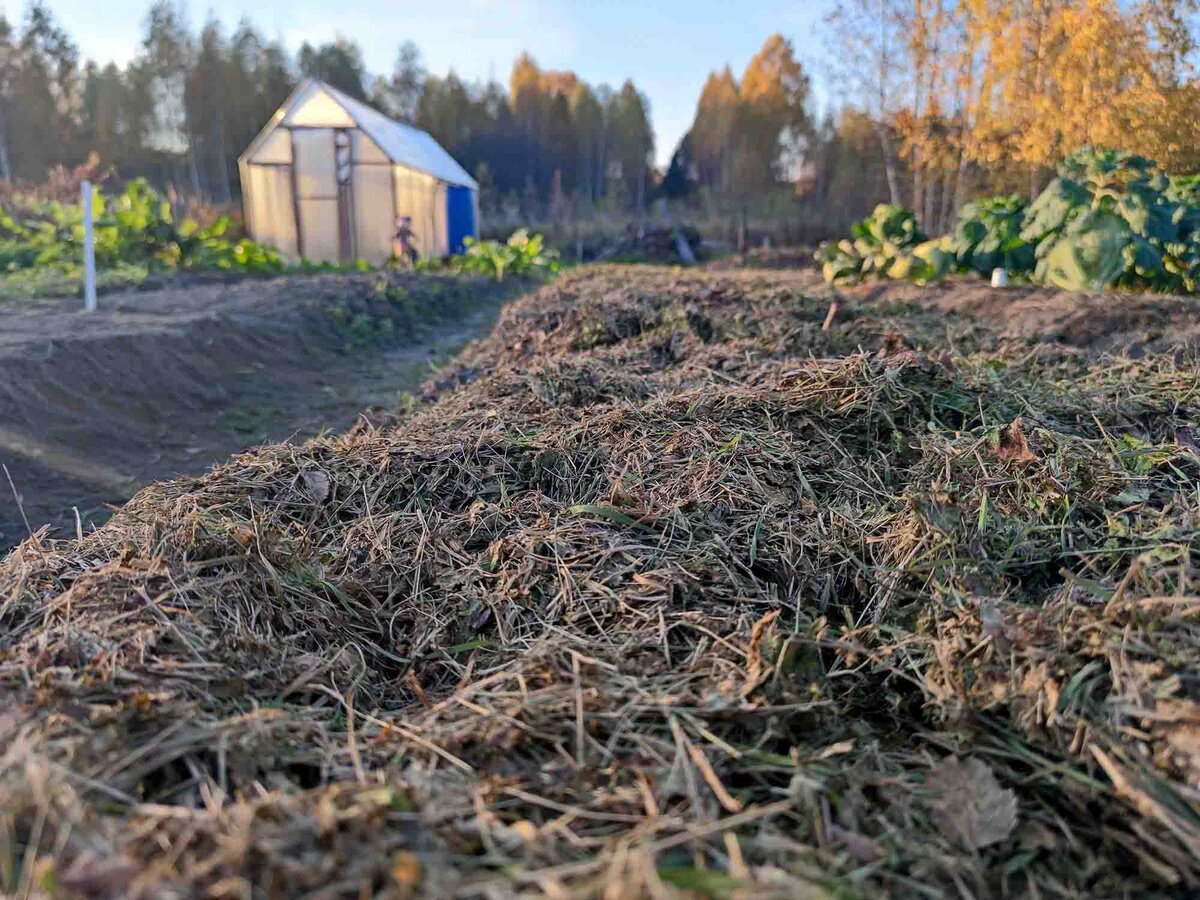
189 103
588 118
101 127
528 103
39 71
445 111
1060 74
749 136
400 94
339 63
205 101
867 36
167 57
8 74
715 129
632 142
774 98
680 179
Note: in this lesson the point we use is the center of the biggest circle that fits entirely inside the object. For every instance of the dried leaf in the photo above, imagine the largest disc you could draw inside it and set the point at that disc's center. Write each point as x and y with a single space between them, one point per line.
1177 724
968 805
756 663
838 749
316 485
1014 445
1187 438
95 877
406 870
244 535
527 831
860 847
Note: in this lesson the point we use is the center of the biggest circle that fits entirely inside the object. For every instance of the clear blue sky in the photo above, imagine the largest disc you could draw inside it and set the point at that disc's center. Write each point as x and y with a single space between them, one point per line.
666 47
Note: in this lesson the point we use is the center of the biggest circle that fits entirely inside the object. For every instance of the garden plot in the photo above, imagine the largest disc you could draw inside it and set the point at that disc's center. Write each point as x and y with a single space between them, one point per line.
159 383
682 586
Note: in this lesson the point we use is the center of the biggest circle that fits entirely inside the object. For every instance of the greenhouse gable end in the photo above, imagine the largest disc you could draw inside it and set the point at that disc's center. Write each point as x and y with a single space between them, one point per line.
328 178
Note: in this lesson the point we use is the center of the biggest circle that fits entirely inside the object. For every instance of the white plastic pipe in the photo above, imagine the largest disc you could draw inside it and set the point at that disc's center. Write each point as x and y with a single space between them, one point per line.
999 278
89 251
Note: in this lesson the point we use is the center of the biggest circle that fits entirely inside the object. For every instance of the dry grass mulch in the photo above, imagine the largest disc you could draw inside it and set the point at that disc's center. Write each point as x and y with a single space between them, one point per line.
670 592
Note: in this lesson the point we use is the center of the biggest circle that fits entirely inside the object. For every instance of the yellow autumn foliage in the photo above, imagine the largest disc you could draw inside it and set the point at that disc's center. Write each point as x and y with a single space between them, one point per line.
1055 75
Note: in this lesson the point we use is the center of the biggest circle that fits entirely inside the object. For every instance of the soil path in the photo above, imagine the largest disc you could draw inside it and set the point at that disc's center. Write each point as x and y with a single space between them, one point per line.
163 383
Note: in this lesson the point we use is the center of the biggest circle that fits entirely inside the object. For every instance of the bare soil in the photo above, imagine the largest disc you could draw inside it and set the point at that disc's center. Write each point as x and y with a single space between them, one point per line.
162 383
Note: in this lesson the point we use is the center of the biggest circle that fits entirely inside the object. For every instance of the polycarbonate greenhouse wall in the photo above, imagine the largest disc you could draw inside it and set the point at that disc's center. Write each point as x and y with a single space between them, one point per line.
328 176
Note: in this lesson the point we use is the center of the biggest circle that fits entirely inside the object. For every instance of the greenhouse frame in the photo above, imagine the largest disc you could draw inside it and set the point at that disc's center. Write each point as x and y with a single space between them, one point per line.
328 180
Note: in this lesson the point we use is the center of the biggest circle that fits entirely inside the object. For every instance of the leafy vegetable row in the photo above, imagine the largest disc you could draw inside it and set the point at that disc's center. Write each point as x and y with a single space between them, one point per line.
1110 219
135 227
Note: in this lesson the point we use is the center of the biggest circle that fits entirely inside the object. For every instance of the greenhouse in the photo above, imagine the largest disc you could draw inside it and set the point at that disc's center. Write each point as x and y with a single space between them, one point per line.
329 179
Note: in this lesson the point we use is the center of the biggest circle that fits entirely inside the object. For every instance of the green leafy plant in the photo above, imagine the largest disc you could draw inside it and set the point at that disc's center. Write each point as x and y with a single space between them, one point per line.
887 244
1110 219
133 228
521 254
988 236
1113 219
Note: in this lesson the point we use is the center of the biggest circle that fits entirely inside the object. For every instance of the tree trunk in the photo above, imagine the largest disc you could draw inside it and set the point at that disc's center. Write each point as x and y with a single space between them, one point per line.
918 198
889 165
641 190
602 164
959 179
222 185
5 165
193 167
949 188
930 217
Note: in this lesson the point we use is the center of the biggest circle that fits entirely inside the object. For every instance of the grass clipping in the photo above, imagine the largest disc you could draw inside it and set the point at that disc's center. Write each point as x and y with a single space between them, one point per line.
671 592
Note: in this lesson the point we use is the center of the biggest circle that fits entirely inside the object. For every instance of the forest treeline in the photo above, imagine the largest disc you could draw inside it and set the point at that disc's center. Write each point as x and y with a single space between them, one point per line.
950 99
932 101
188 103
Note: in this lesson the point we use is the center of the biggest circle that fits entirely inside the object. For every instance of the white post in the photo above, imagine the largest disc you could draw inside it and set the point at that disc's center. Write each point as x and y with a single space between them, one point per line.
89 251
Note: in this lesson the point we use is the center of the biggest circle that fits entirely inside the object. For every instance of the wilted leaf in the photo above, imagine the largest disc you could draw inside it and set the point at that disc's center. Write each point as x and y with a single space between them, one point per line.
1187 438
968 805
1014 446
96 877
406 870
316 485
860 847
1179 724
942 517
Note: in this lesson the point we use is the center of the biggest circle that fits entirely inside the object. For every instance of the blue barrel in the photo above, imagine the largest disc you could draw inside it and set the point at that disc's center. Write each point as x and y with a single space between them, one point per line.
460 213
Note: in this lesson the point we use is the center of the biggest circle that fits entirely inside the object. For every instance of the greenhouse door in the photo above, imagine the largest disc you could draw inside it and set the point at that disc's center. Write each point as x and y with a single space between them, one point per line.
316 194
324 197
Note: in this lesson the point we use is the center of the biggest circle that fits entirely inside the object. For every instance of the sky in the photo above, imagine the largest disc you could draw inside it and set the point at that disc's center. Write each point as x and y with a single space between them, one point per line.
667 47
